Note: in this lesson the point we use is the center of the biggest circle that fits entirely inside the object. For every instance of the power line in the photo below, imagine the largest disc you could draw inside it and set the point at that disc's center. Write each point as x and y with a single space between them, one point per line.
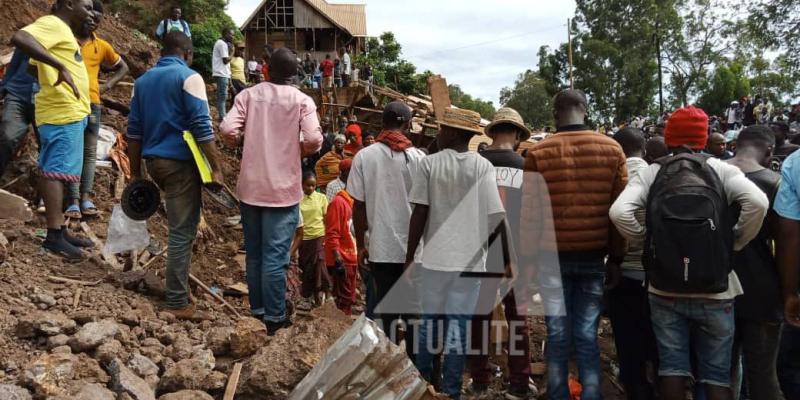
437 52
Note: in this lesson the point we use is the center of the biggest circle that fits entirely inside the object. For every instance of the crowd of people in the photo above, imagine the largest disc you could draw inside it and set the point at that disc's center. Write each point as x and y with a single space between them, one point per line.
685 238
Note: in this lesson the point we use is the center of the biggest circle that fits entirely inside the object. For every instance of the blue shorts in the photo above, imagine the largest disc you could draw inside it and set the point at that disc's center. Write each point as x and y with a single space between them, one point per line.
61 151
702 325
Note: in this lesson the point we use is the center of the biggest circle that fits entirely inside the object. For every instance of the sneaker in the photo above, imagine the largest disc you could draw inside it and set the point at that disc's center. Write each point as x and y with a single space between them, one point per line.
274 327
189 313
60 247
77 241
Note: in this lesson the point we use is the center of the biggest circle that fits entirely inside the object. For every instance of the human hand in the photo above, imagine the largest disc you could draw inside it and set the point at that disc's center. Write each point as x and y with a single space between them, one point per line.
363 259
233 140
65 77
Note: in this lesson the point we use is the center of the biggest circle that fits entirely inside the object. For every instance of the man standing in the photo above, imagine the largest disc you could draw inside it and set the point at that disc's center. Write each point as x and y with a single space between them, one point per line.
327 72
507 131
277 125
783 148
62 107
584 172
456 207
691 289
759 312
17 90
347 68
627 303
379 182
168 100
95 52
175 23
717 146
221 68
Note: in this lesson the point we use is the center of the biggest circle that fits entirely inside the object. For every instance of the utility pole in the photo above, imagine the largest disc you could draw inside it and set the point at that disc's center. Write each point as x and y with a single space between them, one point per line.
569 41
660 71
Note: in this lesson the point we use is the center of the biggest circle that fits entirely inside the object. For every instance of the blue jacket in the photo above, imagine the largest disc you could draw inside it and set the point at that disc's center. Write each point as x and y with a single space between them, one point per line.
17 81
167 100
162 26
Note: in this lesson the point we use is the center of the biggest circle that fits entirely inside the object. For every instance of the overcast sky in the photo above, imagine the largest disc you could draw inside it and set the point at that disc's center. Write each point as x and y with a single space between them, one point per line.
481 45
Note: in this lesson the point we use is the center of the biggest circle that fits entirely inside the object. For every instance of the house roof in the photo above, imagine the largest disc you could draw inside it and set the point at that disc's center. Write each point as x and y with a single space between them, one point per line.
348 17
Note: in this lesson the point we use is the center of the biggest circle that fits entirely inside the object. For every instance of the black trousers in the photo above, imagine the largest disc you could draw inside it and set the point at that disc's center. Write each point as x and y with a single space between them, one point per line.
387 276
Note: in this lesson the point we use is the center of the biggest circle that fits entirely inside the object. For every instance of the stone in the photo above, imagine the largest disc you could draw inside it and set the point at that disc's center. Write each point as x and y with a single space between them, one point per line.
93 334
187 395
49 374
205 356
142 366
181 349
44 323
248 336
57 341
14 392
218 340
93 391
191 374
108 351
124 381
43 298
89 370
14 207
61 350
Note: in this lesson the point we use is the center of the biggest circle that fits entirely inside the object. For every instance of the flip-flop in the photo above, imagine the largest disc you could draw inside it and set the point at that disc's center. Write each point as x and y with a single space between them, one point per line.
88 208
73 212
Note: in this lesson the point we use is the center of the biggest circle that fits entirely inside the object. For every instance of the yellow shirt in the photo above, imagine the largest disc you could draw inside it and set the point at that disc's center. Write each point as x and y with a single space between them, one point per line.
237 69
57 105
314 208
96 52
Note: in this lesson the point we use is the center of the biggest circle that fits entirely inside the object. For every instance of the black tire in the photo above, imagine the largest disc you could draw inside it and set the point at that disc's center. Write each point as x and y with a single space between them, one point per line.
141 199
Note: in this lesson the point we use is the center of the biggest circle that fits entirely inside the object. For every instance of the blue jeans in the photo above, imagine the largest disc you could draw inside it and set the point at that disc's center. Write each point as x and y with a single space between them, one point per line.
89 155
268 234
180 182
681 324
222 95
583 298
448 303
17 115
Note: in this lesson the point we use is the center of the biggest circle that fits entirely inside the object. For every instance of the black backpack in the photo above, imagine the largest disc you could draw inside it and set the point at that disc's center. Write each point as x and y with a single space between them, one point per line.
689 242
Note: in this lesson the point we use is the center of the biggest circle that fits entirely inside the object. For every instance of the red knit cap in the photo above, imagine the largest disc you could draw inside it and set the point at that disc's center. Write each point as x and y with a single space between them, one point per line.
345 165
687 126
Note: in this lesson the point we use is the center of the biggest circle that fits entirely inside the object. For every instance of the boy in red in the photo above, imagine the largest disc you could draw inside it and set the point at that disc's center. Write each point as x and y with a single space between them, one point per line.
340 251
326 66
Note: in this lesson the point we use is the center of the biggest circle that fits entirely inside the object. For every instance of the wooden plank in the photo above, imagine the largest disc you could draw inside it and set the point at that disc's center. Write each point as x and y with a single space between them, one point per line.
440 95
77 299
59 279
119 185
233 382
110 258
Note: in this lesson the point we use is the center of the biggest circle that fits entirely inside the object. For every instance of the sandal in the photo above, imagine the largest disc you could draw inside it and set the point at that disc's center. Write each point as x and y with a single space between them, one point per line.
73 212
88 208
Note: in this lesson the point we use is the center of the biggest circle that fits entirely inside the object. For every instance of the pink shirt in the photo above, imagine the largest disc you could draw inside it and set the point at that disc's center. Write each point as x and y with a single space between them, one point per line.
279 124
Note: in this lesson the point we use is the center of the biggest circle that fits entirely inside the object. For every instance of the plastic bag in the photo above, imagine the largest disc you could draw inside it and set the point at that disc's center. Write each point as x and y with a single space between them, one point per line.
106 139
125 234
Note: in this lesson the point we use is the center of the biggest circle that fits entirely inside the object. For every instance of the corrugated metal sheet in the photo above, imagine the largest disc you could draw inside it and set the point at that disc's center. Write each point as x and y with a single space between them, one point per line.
350 17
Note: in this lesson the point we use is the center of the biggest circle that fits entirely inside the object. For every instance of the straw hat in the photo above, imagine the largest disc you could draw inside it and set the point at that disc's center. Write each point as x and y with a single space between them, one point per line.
507 115
465 120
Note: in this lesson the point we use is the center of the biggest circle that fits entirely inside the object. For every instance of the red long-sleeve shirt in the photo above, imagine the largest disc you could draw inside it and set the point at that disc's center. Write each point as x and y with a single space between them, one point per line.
337 230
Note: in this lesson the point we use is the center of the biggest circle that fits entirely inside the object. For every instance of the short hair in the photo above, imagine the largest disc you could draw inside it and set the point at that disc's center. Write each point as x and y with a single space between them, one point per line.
656 148
570 99
177 42
327 56
97 5
756 135
781 126
308 174
226 30
631 139
173 8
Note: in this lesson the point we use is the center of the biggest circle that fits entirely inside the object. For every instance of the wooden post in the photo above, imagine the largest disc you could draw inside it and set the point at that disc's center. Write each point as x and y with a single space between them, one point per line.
569 41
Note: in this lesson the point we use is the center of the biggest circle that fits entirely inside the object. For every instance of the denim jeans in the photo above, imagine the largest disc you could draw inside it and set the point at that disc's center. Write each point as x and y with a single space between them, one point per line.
17 115
629 311
789 363
89 155
222 95
583 297
180 182
448 304
683 324
268 233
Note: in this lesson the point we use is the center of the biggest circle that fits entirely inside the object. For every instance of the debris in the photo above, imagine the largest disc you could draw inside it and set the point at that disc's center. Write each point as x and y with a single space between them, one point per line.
110 258
123 380
538 369
14 207
218 340
44 323
49 374
233 382
187 395
59 279
239 287
191 374
93 334
247 337
93 391
227 305
363 363
77 298
109 351
14 392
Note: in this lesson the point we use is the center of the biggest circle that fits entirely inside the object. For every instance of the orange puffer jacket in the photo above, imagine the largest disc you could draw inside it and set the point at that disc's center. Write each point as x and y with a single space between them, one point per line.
584 172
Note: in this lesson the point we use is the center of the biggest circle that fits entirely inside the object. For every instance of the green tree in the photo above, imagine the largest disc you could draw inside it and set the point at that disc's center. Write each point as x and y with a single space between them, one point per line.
530 98
388 68
463 100
727 84
776 24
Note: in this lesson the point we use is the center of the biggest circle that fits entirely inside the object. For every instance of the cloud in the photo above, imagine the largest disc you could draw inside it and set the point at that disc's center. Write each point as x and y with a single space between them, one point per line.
480 45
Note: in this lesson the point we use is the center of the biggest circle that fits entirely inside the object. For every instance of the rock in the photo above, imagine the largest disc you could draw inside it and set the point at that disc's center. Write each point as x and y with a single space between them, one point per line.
205 356
93 334
109 351
93 391
57 341
187 395
142 366
43 298
61 350
218 340
191 374
44 323
124 381
13 392
166 317
14 207
89 369
182 348
49 374
84 317
248 336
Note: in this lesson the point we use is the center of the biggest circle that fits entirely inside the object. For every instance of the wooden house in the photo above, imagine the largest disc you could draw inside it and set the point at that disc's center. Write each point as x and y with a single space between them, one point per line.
307 26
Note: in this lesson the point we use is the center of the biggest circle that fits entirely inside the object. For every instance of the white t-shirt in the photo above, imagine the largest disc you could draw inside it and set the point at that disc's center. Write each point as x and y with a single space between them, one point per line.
348 67
461 191
252 66
382 179
219 68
